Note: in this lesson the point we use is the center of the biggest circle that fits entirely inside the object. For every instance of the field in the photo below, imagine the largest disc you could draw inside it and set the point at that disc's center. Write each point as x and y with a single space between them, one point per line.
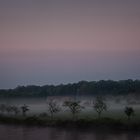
115 106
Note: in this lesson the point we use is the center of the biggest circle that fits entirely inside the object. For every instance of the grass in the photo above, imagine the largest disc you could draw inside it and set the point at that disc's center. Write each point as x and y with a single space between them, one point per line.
65 120
114 114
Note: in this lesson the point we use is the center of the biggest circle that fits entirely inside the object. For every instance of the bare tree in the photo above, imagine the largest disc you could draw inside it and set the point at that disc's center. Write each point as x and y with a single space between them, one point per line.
74 107
100 106
24 109
8 109
2 108
16 110
129 111
53 108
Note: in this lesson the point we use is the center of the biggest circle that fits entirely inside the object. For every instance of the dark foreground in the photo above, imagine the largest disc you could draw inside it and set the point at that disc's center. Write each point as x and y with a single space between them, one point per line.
106 124
20 132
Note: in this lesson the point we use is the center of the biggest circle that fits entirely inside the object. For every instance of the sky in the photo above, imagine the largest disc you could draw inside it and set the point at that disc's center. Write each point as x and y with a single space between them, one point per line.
65 41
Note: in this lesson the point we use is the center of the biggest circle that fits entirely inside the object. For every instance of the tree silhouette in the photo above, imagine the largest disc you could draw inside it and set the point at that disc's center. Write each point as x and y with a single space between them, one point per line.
16 110
53 108
129 111
8 109
100 106
74 107
2 108
24 109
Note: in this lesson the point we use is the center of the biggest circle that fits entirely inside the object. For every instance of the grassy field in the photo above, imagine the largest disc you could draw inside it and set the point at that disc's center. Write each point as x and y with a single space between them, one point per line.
113 114
65 120
113 117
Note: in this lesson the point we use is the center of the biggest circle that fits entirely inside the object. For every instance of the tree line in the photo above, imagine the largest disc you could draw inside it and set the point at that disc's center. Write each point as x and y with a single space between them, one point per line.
53 108
8 109
75 108
96 88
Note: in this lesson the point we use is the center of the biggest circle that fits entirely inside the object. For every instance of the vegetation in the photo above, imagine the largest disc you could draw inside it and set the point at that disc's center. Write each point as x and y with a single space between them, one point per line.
53 108
16 110
74 107
24 109
95 88
129 111
7 109
17 115
100 106
98 124
14 114
3 108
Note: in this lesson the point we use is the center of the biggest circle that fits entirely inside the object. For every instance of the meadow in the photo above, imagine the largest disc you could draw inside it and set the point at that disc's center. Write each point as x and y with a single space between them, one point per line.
38 112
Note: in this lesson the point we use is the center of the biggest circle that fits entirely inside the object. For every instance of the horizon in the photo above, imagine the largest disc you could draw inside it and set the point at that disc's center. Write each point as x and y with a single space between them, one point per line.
64 84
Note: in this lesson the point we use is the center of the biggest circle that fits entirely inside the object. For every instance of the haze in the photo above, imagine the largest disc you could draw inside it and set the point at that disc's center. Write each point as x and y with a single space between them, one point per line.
53 42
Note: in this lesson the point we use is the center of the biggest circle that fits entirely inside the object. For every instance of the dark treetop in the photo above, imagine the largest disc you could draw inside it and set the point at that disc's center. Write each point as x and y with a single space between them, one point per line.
102 87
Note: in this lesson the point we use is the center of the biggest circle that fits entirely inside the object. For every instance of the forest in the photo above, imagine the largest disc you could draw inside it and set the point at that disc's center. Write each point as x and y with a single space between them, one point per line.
82 88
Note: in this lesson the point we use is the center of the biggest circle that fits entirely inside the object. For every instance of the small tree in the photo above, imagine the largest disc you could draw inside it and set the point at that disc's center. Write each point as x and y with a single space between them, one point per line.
74 107
129 111
2 108
24 109
8 109
100 106
53 108
16 110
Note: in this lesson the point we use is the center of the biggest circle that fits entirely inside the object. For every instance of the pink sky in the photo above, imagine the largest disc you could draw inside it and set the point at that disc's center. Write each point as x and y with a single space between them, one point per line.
68 44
